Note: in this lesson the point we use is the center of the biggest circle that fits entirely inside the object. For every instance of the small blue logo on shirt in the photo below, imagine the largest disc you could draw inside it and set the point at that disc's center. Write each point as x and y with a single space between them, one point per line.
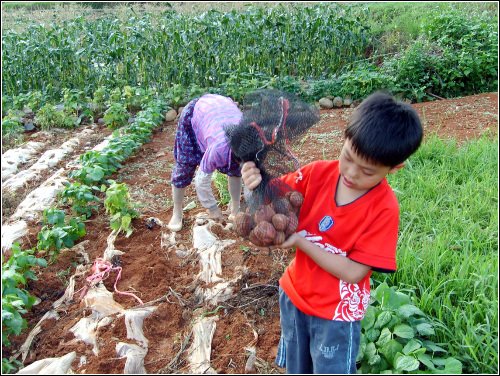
326 223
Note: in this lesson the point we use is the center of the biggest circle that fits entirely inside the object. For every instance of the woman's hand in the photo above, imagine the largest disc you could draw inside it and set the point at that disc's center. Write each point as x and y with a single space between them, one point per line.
251 175
215 214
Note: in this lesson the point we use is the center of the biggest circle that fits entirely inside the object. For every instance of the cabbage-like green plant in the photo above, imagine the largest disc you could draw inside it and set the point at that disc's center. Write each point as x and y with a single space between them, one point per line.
396 337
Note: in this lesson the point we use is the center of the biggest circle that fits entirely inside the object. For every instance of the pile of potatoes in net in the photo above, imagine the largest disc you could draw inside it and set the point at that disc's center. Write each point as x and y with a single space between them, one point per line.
273 223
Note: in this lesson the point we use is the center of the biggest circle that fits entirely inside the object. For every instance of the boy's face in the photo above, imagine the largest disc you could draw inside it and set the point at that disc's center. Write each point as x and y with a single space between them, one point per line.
359 174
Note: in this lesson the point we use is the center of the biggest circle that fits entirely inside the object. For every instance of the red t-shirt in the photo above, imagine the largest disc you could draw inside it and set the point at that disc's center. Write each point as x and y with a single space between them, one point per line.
364 230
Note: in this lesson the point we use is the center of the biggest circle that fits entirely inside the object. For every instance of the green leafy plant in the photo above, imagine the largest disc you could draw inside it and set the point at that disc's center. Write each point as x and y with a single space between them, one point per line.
81 197
116 115
362 81
49 117
131 97
100 99
57 234
96 166
75 103
395 337
34 100
20 100
12 129
16 300
220 182
120 208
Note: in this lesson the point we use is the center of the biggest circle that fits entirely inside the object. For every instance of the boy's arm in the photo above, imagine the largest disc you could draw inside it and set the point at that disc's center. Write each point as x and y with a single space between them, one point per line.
337 265
340 266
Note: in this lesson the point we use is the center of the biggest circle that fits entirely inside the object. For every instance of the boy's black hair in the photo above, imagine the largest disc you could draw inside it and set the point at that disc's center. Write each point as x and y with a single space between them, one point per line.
384 130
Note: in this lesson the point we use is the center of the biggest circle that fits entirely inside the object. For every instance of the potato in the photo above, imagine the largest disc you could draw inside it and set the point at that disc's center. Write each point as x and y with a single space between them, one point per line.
279 238
265 232
243 223
255 240
280 222
296 199
293 224
281 205
264 213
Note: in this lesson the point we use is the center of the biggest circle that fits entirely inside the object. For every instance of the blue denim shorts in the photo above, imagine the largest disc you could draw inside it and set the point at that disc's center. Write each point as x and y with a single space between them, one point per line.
311 344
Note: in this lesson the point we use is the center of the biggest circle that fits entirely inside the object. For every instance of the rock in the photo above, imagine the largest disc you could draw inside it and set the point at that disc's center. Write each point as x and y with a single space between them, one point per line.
100 121
179 111
170 115
29 127
325 103
338 102
347 100
250 364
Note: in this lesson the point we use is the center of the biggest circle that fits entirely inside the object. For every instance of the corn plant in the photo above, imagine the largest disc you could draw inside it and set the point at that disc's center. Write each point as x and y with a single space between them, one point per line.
180 49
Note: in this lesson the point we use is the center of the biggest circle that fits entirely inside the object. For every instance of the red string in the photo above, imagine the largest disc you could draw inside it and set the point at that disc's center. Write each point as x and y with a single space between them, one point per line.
284 107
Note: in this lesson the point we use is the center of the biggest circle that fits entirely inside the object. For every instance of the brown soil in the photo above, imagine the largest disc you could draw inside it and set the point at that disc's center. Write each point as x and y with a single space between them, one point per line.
165 277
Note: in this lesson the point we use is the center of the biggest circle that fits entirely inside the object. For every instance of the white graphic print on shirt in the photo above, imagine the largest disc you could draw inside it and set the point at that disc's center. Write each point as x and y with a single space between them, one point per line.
354 300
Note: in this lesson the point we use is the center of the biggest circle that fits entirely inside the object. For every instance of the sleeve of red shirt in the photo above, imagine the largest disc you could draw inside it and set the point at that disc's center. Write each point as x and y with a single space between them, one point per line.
376 247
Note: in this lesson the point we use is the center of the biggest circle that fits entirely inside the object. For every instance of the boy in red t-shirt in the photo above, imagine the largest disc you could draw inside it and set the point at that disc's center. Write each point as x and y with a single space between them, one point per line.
348 227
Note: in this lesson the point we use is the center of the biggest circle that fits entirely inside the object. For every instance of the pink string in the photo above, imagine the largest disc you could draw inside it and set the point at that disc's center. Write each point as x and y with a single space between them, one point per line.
101 269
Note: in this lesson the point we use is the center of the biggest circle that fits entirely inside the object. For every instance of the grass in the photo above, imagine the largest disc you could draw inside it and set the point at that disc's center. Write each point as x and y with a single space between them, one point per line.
448 245
398 23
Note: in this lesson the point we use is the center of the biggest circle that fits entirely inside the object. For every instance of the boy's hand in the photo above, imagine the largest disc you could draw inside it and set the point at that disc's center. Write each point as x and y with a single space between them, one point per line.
251 175
288 243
